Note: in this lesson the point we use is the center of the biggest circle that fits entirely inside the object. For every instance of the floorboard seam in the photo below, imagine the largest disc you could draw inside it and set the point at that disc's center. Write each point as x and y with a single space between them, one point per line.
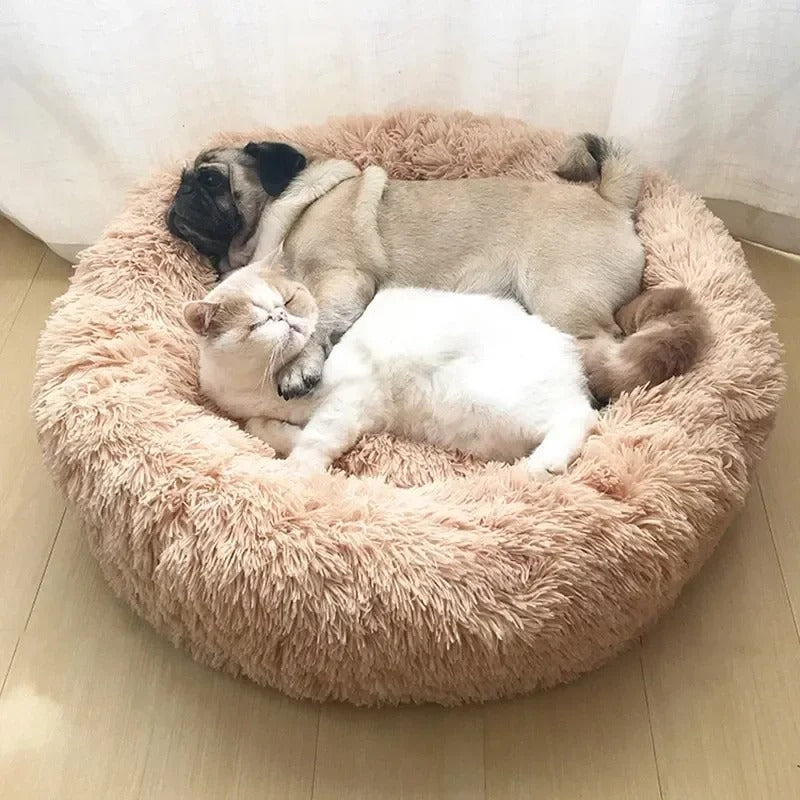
24 298
650 725
775 549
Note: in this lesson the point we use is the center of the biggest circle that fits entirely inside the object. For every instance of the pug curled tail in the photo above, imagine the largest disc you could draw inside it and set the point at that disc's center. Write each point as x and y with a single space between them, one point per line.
665 334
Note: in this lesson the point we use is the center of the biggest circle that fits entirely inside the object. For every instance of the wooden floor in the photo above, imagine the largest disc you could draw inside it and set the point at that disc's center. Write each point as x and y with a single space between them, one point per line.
95 705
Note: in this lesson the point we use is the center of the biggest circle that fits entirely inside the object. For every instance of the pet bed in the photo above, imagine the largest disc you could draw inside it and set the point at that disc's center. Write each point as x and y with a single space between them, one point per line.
447 581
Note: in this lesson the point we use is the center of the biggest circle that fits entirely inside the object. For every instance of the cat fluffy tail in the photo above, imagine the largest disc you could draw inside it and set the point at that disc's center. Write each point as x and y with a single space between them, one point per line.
590 157
665 333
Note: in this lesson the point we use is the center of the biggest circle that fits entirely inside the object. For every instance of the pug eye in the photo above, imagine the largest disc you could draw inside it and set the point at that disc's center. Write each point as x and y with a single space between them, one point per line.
211 179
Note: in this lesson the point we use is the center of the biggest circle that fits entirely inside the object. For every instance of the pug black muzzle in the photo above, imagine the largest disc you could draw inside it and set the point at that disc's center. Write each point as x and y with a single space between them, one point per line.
204 213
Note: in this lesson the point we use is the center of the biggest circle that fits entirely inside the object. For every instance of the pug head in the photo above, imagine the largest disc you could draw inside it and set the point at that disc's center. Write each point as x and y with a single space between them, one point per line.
223 194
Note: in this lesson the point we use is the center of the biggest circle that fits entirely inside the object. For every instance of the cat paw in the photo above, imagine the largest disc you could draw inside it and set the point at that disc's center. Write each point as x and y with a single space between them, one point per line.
300 376
305 465
541 469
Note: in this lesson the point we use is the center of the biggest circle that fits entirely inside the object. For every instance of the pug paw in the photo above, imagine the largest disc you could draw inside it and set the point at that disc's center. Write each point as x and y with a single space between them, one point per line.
300 376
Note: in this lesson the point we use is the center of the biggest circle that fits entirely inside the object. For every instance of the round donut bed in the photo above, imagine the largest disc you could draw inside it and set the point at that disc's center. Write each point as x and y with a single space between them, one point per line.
446 580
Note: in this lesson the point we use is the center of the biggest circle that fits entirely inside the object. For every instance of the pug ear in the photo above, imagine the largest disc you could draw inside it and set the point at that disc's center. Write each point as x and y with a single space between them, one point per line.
278 164
199 315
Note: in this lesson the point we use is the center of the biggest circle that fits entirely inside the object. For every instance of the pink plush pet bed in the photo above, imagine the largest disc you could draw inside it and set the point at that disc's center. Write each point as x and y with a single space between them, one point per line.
447 581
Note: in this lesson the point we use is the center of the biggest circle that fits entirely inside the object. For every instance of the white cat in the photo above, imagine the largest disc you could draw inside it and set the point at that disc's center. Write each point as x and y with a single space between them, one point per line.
462 371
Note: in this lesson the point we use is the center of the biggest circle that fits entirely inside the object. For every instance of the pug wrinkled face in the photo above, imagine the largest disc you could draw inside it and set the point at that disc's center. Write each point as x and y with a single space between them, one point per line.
224 193
204 211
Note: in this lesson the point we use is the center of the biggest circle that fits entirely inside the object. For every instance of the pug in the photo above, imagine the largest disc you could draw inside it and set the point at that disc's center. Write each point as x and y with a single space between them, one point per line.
565 251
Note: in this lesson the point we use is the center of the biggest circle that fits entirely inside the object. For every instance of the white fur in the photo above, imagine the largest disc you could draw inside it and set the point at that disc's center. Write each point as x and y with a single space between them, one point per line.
467 372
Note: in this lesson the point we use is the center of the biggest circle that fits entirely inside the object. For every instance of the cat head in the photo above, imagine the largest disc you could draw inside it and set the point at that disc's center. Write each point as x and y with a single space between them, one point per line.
257 319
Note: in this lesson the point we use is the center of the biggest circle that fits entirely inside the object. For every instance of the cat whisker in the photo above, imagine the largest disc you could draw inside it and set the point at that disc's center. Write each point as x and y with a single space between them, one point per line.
267 373
269 369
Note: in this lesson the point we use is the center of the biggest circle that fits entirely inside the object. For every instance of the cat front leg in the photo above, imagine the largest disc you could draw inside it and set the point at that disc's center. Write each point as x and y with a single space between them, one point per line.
280 436
333 429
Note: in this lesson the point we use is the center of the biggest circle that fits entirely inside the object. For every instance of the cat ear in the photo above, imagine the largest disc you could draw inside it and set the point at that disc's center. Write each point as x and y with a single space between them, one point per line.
199 315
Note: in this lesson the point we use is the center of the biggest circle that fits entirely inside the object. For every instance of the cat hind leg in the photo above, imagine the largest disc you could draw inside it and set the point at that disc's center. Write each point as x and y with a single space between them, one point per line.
562 443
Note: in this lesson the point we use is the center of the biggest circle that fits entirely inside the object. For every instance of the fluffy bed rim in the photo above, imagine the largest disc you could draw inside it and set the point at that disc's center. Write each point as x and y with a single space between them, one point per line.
452 581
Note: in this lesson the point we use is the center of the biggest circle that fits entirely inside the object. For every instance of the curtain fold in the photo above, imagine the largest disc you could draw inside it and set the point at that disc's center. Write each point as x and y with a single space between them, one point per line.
96 94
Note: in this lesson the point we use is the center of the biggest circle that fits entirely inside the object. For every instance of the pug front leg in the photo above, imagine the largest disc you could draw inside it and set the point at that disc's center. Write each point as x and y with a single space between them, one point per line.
304 372
341 295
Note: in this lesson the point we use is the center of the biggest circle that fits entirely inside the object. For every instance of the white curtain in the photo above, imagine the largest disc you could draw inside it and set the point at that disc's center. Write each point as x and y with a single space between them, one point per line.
95 94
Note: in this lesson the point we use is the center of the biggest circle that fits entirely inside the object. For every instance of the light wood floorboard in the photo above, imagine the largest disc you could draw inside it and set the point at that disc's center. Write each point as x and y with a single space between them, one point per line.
721 675
20 256
30 508
422 753
779 473
587 740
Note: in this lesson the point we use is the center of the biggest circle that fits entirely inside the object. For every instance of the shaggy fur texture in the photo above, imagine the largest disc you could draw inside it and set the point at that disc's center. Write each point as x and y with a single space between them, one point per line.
664 333
451 581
